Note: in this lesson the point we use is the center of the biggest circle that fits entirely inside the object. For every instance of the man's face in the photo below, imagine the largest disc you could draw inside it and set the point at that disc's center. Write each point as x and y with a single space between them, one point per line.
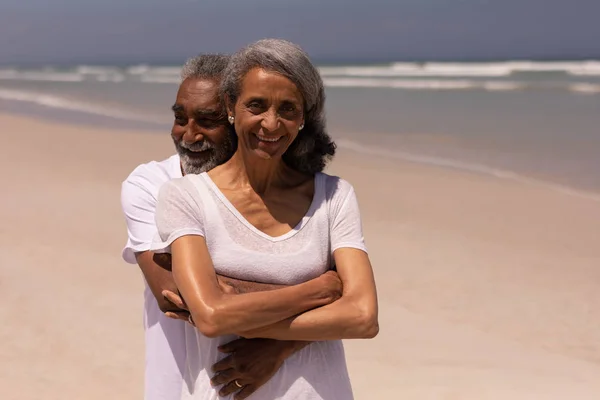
200 130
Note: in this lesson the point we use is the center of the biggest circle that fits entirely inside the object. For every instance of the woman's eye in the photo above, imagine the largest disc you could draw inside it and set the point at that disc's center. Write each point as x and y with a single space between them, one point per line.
255 105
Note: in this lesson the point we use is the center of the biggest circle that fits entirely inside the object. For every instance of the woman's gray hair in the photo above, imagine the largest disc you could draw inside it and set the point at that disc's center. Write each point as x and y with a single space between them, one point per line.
205 66
313 147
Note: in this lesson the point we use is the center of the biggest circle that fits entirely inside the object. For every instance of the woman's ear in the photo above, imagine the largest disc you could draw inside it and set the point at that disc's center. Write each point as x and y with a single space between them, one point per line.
229 105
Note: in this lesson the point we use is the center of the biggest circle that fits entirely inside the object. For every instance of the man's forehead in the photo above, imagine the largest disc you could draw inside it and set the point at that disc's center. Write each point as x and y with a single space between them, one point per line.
203 93
200 86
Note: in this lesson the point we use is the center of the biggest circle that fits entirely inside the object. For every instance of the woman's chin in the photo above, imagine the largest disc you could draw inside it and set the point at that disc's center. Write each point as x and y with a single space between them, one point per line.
264 155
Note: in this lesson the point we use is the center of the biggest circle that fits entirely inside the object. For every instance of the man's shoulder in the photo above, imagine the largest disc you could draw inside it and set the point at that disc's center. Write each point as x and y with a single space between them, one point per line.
153 174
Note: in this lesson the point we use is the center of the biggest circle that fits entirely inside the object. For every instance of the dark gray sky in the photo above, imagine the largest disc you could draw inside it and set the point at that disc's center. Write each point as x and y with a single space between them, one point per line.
168 31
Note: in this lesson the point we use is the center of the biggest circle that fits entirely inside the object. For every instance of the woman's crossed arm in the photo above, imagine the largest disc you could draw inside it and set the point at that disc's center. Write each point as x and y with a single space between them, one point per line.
216 313
354 315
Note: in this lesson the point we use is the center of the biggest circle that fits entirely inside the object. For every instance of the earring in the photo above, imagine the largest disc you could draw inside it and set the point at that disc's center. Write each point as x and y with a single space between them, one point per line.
300 127
231 119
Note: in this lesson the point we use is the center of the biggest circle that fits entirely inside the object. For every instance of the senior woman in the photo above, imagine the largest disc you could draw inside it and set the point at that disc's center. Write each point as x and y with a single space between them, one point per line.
269 214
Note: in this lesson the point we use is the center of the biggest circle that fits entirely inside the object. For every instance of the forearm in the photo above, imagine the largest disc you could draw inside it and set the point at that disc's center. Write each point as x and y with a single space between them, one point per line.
216 313
343 319
158 279
237 286
240 286
295 346
227 314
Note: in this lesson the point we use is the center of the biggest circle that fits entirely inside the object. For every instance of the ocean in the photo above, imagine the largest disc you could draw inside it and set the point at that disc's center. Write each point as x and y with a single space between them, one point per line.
535 122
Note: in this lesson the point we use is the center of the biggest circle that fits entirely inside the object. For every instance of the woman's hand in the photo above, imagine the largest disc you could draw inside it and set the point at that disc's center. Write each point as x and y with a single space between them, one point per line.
184 313
332 285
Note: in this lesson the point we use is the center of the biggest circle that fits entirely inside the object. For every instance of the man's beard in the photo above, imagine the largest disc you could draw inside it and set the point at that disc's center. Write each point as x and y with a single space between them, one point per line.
203 156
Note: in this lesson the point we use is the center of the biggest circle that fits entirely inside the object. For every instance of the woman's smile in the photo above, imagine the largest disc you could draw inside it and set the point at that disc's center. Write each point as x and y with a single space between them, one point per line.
267 138
269 145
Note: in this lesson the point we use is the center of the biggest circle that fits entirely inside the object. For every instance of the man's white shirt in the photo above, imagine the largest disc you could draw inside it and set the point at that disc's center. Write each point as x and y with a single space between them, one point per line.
165 337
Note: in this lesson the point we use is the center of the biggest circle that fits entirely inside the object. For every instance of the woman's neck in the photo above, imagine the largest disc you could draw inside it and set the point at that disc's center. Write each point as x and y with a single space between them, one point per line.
261 174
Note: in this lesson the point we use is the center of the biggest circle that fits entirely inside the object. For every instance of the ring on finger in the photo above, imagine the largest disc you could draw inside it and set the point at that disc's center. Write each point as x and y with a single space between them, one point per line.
237 384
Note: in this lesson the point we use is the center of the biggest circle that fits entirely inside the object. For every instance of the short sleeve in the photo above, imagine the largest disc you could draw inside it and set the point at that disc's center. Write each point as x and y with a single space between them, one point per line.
138 205
178 213
346 224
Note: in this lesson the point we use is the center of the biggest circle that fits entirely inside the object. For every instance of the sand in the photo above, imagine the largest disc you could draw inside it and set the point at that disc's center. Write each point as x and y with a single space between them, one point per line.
488 288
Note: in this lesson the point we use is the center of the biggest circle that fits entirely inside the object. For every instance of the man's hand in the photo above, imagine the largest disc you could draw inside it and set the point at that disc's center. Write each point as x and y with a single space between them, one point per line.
250 363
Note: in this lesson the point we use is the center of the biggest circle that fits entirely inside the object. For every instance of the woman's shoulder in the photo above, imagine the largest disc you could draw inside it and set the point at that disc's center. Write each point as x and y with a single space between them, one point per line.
186 184
335 187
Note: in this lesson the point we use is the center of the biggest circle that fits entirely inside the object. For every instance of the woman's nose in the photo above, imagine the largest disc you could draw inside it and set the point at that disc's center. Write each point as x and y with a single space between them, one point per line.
270 121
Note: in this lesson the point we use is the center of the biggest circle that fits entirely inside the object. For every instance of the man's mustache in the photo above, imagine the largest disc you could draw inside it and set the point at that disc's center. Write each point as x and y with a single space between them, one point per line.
196 146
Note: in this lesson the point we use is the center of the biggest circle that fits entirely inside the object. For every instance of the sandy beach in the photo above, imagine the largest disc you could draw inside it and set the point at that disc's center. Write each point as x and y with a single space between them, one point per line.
488 288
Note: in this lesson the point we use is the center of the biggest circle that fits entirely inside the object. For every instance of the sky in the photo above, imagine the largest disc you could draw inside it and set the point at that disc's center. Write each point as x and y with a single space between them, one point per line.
54 32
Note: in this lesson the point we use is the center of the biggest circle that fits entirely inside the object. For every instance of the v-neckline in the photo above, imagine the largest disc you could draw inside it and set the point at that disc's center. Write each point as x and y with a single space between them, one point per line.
318 194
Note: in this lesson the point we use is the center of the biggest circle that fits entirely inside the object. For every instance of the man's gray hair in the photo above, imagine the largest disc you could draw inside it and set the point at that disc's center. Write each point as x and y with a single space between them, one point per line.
312 148
205 66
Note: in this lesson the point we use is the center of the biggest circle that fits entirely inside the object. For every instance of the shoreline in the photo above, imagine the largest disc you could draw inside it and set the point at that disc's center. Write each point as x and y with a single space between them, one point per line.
346 142
487 287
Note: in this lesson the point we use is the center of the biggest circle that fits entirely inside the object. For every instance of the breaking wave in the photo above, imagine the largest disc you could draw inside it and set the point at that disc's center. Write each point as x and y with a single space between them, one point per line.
63 103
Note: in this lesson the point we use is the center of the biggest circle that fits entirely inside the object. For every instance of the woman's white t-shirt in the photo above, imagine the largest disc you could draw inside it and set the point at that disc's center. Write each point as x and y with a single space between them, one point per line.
193 205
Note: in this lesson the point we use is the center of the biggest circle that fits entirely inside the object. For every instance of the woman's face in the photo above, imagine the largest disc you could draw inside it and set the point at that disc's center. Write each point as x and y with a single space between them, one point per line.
268 113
